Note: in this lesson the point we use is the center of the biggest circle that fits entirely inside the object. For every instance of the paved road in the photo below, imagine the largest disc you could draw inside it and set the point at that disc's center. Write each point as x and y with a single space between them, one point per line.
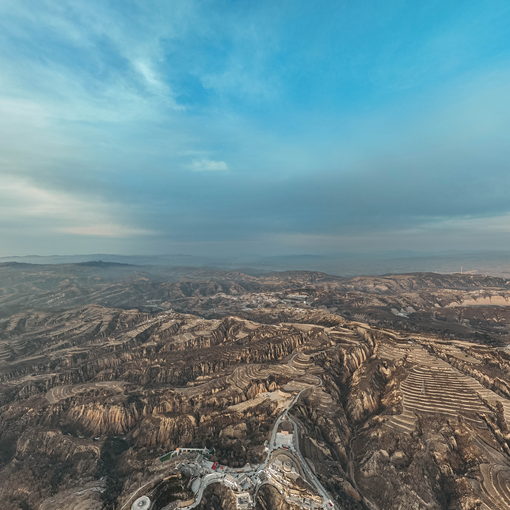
306 468
206 480
274 431
211 478
304 464
132 497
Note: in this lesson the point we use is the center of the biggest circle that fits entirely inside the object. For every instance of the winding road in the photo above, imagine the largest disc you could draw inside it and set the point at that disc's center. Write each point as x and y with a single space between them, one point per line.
214 477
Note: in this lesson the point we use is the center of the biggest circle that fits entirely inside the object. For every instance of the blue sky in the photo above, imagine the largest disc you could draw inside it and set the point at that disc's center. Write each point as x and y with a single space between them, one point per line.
236 127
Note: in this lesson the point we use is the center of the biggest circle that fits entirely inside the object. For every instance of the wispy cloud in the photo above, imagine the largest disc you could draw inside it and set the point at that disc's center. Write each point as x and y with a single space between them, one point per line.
115 231
208 165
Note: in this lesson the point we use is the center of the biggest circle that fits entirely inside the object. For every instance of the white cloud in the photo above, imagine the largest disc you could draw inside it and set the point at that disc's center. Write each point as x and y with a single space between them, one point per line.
154 83
208 165
112 230
97 90
23 202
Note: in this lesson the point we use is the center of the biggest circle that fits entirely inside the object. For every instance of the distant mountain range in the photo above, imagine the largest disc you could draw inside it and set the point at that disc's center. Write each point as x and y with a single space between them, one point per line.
345 264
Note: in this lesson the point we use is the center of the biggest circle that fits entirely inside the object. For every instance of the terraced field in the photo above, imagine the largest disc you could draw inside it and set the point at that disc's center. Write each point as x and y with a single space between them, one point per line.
434 388
496 483
82 498
58 393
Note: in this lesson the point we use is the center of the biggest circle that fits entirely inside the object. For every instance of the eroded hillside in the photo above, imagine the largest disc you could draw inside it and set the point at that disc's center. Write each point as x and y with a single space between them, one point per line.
379 393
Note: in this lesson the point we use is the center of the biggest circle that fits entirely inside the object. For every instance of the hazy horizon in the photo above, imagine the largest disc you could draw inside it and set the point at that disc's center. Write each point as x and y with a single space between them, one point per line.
342 264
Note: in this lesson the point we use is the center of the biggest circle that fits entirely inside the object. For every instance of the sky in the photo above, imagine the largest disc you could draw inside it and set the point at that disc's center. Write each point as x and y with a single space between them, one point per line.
254 127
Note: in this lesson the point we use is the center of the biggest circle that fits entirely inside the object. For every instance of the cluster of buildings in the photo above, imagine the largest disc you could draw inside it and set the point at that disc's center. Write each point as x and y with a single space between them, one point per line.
282 469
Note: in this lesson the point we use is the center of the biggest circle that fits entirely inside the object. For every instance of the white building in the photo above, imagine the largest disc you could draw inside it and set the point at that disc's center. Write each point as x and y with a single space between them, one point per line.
142 503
